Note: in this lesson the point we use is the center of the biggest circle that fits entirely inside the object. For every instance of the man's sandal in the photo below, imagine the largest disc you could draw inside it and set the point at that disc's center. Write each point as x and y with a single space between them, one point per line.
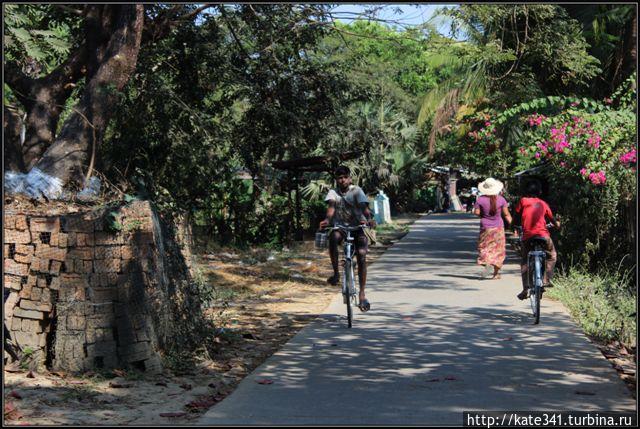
364 306
333 280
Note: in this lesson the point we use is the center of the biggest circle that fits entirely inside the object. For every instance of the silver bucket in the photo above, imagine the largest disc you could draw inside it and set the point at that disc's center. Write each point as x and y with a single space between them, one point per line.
321 240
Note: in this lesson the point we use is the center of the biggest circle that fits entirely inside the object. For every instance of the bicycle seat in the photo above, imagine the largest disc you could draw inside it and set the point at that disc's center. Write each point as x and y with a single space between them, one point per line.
537 240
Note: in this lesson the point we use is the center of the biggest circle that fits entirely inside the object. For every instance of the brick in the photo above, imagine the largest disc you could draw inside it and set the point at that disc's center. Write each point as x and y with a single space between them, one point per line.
55 285
153 365
21 222
42 282
54 239
102 348
29 325
32 279
42 340
106 307
141 335
12 282
101 321
15 268
9 221
18 237
83 267
73 294
83 239
16 324
99 335
25 249
77 224
126 252
108 252
86 253
106 238
63 240
10 302
54 268
135 357
45 224
25 292
143 237
76 323
104 280
23 259
98 295
72 239
28 314
91 336
107 266
26 304
46 295
27 339
73 280
44 251
36 293
39 265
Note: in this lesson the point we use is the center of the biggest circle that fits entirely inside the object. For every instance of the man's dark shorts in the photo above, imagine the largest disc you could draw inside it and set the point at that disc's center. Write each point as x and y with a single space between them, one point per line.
360 239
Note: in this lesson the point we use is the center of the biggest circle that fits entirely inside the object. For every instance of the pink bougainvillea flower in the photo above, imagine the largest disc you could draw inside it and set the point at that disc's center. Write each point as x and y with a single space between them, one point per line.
628 157
537 154
583 171
608 101
563 164
523 151
598 178
574 104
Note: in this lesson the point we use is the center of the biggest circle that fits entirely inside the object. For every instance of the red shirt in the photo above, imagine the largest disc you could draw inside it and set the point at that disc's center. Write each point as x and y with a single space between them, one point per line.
534 214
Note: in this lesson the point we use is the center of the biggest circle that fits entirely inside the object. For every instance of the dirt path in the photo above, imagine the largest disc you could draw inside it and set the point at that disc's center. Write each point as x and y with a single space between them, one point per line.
263 299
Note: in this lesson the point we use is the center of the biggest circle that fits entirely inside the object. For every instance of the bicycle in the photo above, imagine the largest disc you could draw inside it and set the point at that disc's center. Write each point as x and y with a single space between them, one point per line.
536 265
349 292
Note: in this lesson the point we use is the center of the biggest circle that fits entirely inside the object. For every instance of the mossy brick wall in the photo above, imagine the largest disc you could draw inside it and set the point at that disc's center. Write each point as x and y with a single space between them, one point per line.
82 297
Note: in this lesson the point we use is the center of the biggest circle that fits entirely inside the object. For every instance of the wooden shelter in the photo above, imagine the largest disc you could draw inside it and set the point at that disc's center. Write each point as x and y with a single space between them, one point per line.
296 168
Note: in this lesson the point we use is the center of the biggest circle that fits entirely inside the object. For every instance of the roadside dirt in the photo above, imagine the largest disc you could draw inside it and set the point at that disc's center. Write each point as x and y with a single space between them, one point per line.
263 299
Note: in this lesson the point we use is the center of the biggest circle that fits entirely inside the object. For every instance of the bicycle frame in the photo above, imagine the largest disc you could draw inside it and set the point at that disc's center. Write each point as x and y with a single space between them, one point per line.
349 292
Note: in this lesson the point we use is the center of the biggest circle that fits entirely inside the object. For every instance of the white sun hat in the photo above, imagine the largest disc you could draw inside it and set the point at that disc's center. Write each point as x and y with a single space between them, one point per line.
490 186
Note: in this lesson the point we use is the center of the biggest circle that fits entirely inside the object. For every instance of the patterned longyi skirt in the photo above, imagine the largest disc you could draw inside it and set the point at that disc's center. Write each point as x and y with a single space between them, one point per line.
492 247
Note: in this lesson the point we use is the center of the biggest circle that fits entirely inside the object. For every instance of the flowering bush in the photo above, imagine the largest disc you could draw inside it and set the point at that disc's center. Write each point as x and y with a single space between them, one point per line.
588 152
592 146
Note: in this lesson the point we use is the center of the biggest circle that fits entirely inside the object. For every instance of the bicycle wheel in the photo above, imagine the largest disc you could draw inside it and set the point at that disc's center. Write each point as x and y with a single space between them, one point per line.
536 290
348 274
538 297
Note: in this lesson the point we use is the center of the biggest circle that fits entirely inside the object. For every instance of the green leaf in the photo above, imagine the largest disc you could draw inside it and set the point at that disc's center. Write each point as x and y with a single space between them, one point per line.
21 34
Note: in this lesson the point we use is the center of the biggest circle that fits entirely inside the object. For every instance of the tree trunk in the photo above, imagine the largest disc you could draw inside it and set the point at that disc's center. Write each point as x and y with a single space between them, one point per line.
43 100
109 69
12 127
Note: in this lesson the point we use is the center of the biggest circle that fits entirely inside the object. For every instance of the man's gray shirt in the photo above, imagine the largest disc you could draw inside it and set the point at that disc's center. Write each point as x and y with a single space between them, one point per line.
348 211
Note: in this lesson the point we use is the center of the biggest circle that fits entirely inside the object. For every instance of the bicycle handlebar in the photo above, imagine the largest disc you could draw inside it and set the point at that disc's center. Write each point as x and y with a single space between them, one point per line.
347 228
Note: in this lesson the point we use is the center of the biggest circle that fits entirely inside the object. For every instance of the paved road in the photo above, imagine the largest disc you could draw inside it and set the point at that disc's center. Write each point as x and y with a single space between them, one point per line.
438 340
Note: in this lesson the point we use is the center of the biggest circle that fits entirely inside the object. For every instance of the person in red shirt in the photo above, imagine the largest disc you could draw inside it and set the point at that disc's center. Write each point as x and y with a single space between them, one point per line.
535 213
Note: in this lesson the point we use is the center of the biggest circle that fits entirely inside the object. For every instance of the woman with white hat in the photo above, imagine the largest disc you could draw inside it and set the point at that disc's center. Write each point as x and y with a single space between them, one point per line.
490 206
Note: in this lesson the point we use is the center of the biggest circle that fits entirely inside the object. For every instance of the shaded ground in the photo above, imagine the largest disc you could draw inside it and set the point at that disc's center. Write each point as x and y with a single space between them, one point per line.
262 300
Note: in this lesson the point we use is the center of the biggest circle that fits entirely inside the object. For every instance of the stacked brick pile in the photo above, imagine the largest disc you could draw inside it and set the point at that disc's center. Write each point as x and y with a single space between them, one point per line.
82 297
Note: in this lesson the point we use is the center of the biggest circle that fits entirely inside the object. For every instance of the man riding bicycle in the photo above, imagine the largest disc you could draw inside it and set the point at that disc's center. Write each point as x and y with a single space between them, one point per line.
534 213
348 205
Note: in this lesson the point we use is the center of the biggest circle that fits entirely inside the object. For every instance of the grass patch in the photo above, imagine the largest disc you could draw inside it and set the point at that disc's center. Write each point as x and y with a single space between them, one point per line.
603 304
391 228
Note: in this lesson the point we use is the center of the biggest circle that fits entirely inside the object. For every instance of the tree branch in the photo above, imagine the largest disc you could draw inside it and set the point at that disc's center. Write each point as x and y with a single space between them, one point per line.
69 9
17 80
161 25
